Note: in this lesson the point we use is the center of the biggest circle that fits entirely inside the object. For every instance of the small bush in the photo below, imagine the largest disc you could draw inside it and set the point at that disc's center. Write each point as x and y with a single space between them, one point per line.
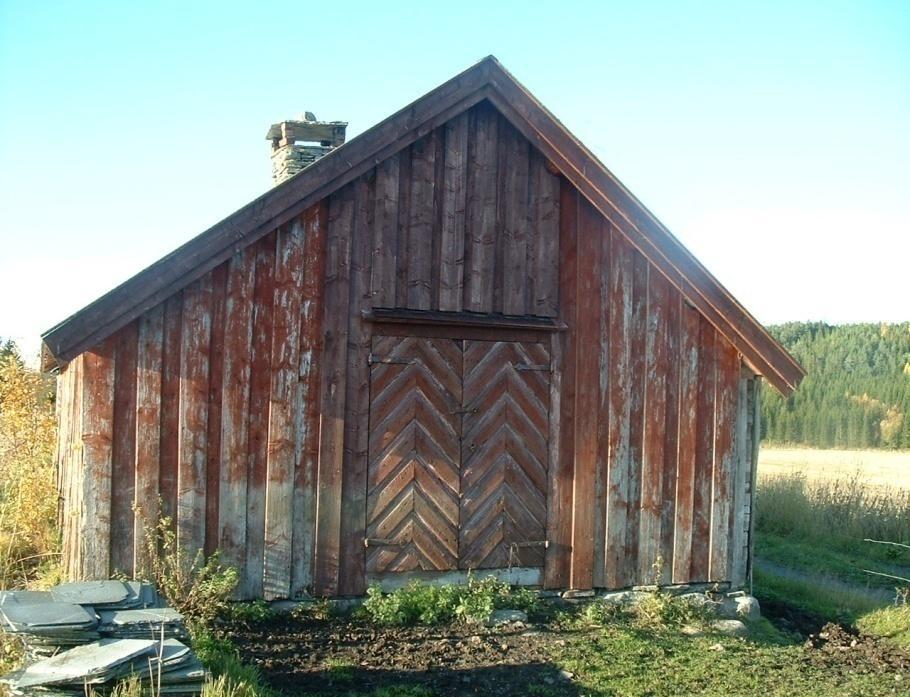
422 603
253 611
231 677
197 586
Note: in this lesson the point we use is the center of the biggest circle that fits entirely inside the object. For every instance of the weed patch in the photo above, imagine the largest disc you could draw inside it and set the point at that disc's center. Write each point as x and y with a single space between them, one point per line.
426 604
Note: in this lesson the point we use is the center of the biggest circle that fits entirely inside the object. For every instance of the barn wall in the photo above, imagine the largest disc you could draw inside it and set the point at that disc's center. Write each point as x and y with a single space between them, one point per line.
652 478
241 402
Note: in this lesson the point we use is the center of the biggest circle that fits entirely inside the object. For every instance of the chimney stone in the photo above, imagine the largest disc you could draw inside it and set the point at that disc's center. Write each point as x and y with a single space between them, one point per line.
297 144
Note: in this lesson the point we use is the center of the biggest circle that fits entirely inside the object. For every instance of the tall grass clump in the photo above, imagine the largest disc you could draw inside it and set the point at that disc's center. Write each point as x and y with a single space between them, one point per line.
841 511
28 497
198 586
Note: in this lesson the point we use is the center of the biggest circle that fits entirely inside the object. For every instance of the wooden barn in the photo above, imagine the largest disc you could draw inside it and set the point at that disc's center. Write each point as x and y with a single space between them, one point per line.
454 343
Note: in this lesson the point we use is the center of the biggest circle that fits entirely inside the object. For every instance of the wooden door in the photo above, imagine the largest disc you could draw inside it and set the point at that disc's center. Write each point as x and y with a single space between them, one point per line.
457 454
506 394
414 452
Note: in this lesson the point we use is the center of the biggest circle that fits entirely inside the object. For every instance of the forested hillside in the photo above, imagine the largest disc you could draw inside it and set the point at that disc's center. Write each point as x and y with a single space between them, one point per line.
857 392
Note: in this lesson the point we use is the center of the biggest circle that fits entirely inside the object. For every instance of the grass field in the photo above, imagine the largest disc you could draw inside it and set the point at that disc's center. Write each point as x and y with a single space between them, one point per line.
875 467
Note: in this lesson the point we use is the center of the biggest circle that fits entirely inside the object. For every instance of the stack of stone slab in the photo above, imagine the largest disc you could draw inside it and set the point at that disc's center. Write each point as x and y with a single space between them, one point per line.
169 665
96 633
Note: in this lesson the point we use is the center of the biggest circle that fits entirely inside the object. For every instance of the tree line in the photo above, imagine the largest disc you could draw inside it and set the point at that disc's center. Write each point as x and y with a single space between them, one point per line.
856 393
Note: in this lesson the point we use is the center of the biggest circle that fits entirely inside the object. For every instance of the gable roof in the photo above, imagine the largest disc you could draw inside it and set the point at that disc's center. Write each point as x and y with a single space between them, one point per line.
487 80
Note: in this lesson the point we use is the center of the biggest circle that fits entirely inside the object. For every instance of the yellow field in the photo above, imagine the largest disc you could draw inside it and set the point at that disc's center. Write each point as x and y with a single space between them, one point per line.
876 467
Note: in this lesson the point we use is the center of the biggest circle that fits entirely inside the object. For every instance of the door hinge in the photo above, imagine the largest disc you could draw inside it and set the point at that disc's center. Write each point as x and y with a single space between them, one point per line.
540 368
379 542
379 359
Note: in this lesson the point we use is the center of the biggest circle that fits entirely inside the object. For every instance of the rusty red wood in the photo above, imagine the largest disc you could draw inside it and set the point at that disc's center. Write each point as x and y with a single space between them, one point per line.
311 337
123 451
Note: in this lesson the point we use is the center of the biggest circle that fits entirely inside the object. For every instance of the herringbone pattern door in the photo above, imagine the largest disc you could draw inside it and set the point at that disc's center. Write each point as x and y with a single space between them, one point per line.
414 474
504 455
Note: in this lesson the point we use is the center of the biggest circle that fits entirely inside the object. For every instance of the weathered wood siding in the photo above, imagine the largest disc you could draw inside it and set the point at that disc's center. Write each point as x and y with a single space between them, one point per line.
242 401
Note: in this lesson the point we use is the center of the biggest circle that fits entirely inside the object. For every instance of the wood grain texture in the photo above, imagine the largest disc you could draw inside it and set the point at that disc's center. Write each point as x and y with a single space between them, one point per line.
385 234
481 211
655 424
671 438
454 194
311 337
260 357
357 400
504 455
196 326
727 394
235 409
617 508
148 431
704 453
513 200
98 377
421 216
557 570
215 405
282 439
689 353
543 239
334 392
587 397
602 468
170 406
414 477
123 450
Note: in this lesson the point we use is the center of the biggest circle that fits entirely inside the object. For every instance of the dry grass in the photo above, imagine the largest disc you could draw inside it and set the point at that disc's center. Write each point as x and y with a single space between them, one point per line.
28 498
826 509
888 468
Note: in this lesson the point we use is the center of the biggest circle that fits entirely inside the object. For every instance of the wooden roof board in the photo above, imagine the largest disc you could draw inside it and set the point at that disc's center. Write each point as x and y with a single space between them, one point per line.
485 80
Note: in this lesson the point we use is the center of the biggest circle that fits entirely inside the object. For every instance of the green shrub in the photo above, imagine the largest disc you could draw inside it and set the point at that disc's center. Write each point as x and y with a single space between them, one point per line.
422 603
196 585
253 611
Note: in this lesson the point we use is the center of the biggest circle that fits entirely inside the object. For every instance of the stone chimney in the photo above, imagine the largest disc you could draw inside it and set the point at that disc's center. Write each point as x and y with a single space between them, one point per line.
298 144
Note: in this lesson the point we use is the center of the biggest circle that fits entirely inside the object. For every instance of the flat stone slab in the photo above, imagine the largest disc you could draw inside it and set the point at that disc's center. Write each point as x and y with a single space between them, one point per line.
91 663
32 616
91 592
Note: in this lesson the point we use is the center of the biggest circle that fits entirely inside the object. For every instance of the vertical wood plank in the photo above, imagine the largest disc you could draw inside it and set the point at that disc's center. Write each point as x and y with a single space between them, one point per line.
704 453
385 233
123 451
740 500
557 566
687 445
283 405
257 441
543 247
420 222
193 413
655 424
311 336
671 438
727 392
637 378
334 392
352 573
148 431
170 406
451 272
587 394
215 405
602 473
620 464
513 202
97 440
403 229
481 211
235 407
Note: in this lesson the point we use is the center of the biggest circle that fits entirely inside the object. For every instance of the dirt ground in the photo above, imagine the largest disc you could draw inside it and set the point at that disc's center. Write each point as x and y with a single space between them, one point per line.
341 656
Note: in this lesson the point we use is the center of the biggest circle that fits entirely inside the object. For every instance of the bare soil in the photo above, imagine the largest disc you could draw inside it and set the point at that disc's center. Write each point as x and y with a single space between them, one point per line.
343 655
842 651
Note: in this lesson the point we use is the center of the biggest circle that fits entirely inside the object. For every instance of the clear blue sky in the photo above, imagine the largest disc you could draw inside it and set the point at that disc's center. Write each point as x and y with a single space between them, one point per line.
772 138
